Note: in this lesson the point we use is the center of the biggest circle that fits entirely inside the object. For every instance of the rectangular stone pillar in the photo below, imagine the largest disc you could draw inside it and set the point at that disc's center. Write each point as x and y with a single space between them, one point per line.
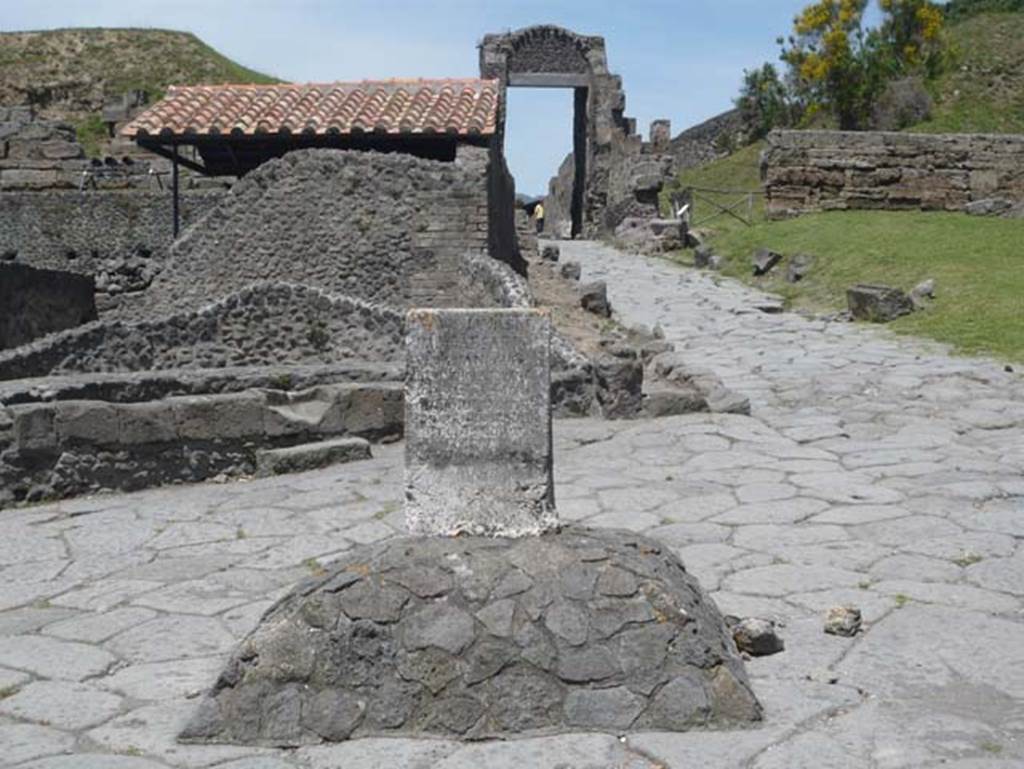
478 422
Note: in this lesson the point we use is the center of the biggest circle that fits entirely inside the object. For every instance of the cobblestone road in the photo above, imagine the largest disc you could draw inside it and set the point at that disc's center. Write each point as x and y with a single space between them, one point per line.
875 470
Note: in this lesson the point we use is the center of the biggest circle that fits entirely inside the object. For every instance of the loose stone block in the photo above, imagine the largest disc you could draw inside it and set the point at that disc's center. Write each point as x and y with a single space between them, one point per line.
878 304
478 423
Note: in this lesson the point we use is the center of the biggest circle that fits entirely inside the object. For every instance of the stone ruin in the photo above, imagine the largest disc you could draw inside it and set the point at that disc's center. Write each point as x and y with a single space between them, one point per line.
611 174
491 620
278 312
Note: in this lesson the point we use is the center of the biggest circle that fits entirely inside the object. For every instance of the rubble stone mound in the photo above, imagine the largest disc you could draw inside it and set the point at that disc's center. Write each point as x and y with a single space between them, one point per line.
476 637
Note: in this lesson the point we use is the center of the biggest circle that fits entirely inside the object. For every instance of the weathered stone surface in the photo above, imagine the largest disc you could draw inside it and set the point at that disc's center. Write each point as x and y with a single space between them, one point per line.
669 401
35 302
878 304
988 207
478 422
922 292
570 270
314 670
309 456
619 385
798 267
843 620
830 170
764 260
594 298
757 637
549 253
702 255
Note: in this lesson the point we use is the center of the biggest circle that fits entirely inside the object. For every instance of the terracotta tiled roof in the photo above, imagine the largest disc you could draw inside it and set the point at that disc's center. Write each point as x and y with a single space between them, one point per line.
462 107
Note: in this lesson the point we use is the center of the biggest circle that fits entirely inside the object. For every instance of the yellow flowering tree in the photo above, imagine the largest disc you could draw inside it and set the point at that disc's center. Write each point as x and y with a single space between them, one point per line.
835 64
827 61
913 34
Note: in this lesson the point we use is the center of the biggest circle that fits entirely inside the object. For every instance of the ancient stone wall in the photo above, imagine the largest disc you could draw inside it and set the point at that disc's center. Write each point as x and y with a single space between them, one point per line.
38 154
558 203
118 237
37 302
708 141
263 324
827 170
313 217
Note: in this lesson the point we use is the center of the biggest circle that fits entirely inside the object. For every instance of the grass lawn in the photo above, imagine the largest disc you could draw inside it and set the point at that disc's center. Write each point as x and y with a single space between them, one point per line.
977 263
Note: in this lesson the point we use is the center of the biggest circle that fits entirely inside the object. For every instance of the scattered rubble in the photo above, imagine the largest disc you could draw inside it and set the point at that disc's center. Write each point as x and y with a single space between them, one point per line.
843 621
988 207
650 236
798 267
594 298
549 253
702 255
696 385
570 270
754 636
921 293
878 304
764 260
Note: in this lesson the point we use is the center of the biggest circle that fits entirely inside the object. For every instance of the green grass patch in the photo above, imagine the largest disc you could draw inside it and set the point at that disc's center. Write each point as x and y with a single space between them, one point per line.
982 91
738 173
977 263
91 134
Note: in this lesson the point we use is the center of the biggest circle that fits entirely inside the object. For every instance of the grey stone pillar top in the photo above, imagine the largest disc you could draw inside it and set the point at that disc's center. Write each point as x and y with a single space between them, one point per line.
478 422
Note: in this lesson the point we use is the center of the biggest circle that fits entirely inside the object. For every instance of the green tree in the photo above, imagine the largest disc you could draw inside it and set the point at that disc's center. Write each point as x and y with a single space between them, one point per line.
912 36
764 102
838 66
831 61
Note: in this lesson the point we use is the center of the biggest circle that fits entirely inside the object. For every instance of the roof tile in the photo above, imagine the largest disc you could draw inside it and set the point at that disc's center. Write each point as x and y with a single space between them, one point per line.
453 106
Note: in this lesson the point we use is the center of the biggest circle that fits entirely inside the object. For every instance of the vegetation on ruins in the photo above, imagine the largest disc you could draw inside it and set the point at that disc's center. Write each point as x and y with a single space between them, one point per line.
954 67
975 261
68 74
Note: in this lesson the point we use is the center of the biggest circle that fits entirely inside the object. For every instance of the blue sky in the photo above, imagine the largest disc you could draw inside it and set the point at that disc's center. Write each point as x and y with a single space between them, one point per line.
682 60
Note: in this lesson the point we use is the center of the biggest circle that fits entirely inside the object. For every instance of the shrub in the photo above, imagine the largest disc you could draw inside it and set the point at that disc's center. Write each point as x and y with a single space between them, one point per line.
904 102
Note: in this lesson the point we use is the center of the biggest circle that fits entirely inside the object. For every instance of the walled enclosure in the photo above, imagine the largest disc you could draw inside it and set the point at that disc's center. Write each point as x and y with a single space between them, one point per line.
37 302
827 170
612 174
110 220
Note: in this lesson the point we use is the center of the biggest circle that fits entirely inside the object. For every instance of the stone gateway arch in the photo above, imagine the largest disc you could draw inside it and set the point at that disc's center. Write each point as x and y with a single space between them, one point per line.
612 173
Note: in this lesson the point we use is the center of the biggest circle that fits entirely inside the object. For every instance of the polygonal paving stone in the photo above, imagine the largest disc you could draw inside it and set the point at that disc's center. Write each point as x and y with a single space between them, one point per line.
573 750
51 658
93 761
93 628
105 595
785 511
856 514
771 538
164 680
915 567
23 742
959 596
897 531
61 704
628 521
153 729
783 579
172 637
378 753
1003 574
193 597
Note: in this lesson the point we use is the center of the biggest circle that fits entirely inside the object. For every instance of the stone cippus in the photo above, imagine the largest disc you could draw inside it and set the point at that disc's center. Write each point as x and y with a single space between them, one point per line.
491 620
